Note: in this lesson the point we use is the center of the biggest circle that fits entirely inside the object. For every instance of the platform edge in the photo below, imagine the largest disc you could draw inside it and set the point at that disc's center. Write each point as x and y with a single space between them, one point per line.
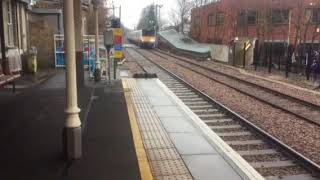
241 166
144 166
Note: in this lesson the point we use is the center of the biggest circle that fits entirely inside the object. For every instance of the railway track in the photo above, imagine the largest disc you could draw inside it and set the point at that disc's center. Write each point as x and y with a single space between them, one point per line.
295 106
269 156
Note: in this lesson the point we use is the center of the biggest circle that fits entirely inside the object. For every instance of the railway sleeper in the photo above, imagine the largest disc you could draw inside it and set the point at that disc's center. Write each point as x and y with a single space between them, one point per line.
197 107
206 111
292 177
246 142
182 96
181 91
212 116
234 134
257 152
191 99
272 164
209 121
184 93
196 103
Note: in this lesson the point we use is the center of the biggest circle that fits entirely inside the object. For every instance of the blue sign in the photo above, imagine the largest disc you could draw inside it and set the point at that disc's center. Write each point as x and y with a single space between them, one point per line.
118 47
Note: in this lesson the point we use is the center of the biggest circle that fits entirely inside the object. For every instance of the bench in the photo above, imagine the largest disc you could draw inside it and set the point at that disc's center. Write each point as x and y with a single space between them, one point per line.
9 79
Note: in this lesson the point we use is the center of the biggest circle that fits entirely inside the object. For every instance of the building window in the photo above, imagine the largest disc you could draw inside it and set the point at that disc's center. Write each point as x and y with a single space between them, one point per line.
216 19
252 17
212 20
220 18
315 15
242 18
280 16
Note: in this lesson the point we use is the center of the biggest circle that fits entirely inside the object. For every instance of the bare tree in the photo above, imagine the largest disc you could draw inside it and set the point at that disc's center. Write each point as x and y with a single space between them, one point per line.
198 3
183 11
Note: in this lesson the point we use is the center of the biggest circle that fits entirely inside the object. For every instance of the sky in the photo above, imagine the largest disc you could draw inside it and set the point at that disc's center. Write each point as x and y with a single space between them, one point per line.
131 10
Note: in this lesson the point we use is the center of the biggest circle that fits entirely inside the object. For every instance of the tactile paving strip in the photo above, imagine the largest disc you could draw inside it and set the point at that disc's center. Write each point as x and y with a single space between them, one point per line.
166 163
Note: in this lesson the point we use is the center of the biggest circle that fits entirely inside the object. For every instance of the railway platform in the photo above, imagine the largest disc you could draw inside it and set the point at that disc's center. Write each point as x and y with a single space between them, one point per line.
171 141
132 129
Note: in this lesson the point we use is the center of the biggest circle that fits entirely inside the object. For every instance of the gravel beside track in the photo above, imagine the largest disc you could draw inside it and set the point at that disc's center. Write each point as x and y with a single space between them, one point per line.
313 97
132 64
295 132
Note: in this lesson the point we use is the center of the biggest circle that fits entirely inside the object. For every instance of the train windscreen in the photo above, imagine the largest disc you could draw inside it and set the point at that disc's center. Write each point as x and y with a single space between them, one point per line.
148 32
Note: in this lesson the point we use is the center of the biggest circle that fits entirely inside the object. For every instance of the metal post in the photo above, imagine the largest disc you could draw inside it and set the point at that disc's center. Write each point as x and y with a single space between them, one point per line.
72 127
270 58
288 61
120 13
234 53
114 69
256 54
2 38
97 72
79 42
308 59
244 54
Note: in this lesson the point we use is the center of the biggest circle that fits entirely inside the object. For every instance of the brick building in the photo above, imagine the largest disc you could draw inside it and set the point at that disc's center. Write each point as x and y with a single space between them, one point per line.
13 37
279 21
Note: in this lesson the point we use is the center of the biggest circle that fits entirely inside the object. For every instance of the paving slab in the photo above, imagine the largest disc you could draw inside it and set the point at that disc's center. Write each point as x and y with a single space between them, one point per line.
209 167
168 111
188 143
177 125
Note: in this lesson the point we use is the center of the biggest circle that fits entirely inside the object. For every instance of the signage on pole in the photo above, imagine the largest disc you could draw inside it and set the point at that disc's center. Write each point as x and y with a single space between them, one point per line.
117 37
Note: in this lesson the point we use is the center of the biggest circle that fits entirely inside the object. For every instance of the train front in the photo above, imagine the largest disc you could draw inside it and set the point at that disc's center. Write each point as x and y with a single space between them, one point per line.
148 38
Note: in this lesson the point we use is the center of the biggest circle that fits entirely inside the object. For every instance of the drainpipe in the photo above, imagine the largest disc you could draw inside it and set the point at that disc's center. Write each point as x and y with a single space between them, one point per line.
72 128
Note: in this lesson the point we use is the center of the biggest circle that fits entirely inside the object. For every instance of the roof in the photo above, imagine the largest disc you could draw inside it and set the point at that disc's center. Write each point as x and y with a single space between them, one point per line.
25 1
46 11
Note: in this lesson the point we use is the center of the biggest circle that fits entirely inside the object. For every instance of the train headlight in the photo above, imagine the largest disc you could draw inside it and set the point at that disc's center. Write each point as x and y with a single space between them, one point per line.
152 40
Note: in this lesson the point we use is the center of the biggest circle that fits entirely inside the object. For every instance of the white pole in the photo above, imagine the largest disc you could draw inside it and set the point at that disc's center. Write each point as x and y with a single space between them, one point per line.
72 130
97 73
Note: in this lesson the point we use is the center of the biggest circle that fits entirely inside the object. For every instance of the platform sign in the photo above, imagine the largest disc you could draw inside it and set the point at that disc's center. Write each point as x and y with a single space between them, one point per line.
117 37
117 31
118 47
248 45
118 54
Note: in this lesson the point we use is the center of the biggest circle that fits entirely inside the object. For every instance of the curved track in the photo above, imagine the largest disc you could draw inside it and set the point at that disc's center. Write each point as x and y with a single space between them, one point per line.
272 158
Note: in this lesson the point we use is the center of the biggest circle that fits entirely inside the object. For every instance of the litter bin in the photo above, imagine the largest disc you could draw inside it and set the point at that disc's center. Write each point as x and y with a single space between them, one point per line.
32 60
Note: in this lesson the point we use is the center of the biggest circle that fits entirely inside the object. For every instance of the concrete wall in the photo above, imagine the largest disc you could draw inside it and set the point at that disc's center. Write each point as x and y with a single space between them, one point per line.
219 52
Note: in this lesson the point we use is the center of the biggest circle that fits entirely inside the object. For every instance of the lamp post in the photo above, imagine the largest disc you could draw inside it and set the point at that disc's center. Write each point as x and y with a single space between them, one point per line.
72 128
157 23
79 42
97 72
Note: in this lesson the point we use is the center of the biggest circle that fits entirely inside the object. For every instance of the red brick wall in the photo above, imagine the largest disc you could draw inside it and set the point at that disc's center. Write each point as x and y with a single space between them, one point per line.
231 9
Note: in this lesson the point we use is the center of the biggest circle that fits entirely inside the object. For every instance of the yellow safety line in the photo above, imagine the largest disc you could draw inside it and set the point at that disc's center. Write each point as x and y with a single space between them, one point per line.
144 166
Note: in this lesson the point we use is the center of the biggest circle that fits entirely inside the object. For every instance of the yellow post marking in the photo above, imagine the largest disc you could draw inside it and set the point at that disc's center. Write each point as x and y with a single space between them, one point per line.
144 166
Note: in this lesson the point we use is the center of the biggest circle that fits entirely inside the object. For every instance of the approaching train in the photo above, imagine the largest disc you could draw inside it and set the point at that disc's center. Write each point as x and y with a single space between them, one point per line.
143 38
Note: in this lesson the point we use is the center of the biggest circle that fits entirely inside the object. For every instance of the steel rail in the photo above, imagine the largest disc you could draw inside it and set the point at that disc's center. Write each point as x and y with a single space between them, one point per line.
288 97
239 79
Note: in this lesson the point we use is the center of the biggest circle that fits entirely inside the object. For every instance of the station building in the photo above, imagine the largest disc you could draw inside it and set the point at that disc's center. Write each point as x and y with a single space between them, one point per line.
13 37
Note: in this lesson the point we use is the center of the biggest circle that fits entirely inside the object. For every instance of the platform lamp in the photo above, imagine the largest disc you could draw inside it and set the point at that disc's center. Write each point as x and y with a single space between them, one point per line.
97 72
72 138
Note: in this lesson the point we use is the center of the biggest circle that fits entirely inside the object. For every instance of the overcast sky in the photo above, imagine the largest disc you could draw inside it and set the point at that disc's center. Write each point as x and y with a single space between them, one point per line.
131 9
